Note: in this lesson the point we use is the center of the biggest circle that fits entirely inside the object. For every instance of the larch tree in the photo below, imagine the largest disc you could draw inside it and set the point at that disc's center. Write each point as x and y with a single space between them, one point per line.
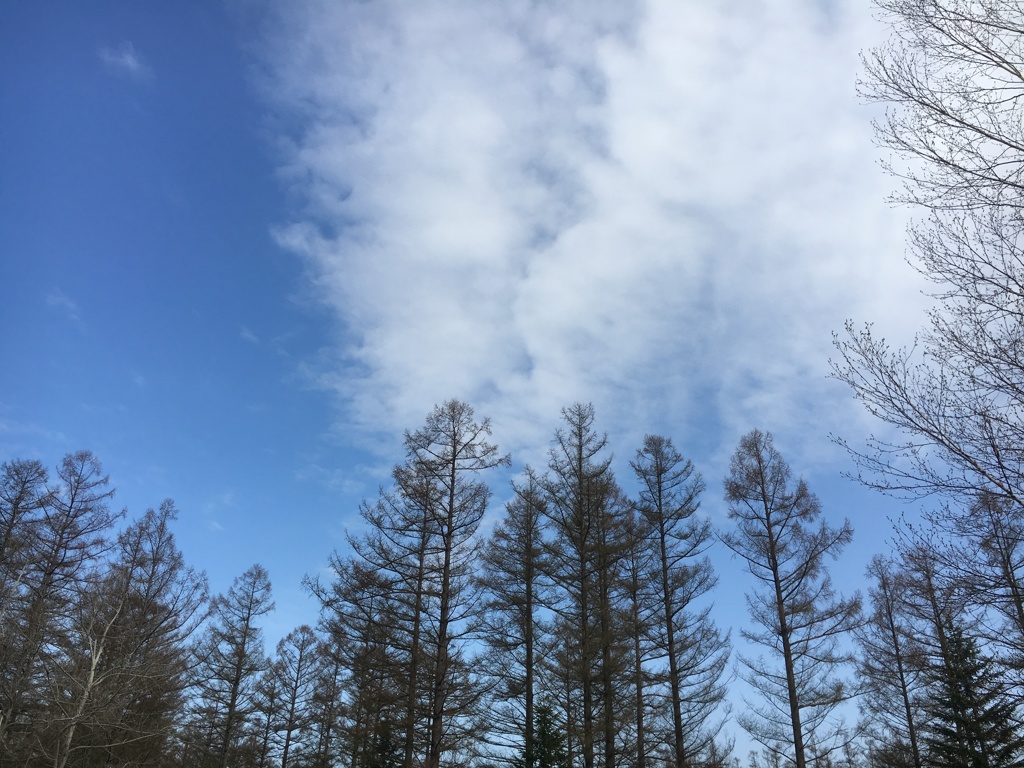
327 708
451 450
584 555
23 495
932 600
229 662
360 702
126 666
511 587
421 541
982 550
267 702
58 547
400 551
640 612
684 634
294 673
780 535
891 680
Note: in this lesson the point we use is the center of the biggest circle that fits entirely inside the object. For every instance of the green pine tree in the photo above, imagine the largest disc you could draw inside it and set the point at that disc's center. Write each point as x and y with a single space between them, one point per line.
972 723
548 742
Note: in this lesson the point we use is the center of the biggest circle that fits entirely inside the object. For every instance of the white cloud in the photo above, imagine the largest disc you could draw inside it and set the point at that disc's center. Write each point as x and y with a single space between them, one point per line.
124 60
665 208
59 300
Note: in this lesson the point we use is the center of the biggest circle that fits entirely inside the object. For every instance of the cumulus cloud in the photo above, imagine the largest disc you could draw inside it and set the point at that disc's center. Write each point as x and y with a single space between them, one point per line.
124 60
664 208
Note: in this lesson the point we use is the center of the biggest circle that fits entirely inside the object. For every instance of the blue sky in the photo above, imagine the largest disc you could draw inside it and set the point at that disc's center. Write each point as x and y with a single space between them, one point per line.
149 315
245 245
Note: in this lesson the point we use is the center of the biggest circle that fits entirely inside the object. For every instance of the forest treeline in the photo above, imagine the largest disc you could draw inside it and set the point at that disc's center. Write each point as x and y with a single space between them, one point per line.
578 633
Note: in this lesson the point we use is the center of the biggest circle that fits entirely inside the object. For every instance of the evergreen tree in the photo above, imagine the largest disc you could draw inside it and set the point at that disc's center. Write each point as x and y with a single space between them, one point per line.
549 741
972 724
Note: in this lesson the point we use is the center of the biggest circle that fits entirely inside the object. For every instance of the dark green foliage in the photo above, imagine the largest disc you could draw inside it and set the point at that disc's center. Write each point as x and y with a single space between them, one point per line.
973 724
548 742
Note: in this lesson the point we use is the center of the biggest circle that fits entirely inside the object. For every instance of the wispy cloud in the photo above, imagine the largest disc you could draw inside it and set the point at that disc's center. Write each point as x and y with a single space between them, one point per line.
125 60
665 208
249 336
60 301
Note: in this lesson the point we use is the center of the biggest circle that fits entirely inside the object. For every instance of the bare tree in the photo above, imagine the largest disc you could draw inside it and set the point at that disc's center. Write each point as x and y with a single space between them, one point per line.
685 635
421 547
55 548
981 549
23 495
267 704
890 677
365 663
781 536
510 582
230 659
452 449
584 556
951 75
327 708
123 680
400 550
639 595
293 670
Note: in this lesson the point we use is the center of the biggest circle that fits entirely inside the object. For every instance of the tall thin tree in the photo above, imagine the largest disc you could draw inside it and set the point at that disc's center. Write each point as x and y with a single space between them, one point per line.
229 660
685 635
584 556
452 449
510 581
781 536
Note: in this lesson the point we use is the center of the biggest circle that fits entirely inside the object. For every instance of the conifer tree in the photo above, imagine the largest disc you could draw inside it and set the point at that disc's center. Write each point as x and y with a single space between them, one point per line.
450 452
510 581
972 723
781 536
890 678
584 555
230 660
550 741
684 634
55 535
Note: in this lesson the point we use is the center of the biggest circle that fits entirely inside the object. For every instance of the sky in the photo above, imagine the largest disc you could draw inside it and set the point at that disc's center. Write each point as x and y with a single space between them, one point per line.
245 245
